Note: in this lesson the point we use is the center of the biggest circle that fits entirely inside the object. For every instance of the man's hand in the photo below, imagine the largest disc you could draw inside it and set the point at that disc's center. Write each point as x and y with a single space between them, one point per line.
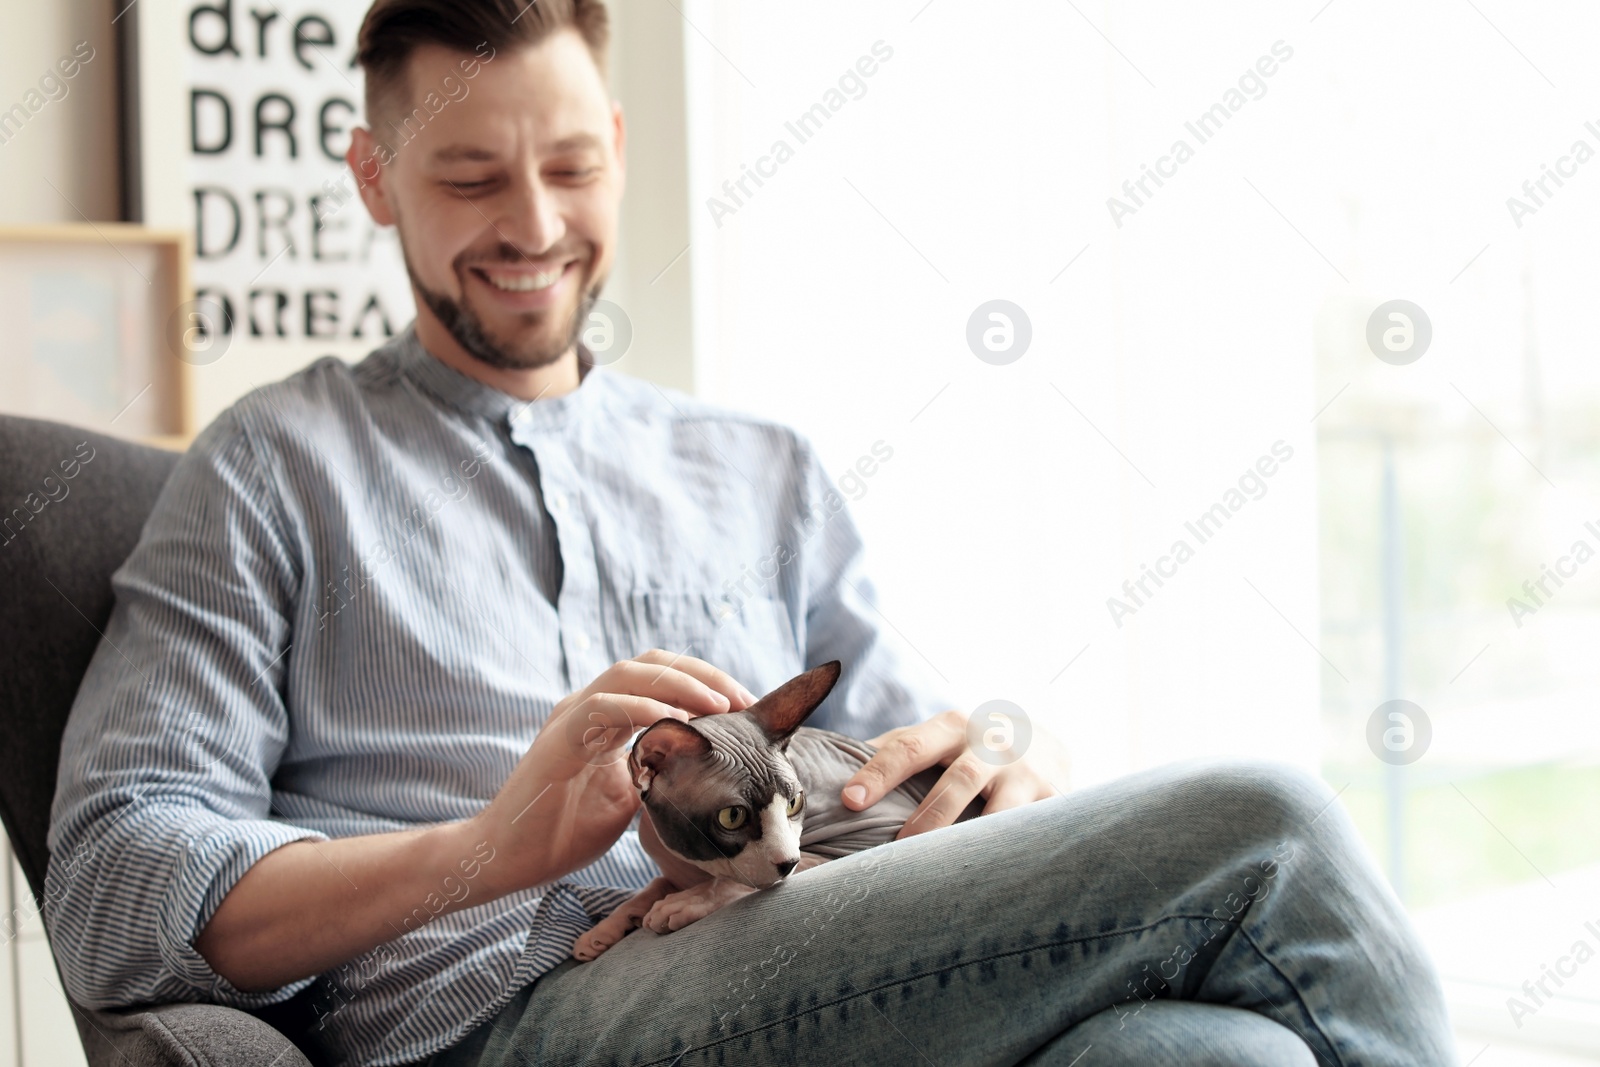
570 797
942 741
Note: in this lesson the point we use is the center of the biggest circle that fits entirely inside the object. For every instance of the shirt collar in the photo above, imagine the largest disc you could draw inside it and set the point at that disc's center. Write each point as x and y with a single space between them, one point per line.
475 397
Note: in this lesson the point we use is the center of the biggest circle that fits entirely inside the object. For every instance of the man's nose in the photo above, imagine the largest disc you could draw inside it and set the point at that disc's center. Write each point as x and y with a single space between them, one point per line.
786 866
532 220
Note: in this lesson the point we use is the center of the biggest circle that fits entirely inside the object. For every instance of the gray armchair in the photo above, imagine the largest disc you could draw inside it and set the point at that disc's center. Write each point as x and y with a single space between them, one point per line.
55 571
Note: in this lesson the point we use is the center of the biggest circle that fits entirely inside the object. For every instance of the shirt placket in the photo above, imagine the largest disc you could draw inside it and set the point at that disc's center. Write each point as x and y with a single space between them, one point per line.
583 655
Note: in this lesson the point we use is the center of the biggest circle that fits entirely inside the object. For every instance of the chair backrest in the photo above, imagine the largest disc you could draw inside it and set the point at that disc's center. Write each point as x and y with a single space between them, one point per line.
72 505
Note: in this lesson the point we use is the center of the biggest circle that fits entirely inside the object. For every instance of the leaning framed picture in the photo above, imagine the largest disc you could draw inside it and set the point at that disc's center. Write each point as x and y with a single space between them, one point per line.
96 314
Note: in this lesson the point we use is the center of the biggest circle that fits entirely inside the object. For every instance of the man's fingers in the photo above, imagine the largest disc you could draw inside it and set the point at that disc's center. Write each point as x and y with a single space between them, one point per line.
1015 786
962 780
627 711
903 753
599 726
712 678
635 693
675 680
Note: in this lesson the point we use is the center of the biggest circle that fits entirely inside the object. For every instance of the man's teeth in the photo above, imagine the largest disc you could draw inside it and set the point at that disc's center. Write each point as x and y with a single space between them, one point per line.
523 283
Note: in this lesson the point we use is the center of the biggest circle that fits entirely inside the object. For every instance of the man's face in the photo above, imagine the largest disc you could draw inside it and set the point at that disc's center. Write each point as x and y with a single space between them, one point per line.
506 201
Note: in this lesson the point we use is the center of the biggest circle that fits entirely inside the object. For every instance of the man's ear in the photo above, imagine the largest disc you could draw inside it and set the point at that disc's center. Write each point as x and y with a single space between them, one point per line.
366 159
620 144
781 711
661 745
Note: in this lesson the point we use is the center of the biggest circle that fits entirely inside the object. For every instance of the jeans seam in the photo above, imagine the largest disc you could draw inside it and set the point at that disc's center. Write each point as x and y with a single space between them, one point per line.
1339 1061
932 973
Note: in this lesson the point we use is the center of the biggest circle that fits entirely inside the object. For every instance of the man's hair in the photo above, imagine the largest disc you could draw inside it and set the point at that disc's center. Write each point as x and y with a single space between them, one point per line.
393 29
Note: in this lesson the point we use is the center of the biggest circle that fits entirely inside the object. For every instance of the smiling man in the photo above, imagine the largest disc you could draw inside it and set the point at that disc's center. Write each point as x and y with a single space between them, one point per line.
355 734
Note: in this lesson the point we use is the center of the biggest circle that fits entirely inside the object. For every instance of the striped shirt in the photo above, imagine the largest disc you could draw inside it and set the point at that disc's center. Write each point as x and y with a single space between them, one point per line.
358 597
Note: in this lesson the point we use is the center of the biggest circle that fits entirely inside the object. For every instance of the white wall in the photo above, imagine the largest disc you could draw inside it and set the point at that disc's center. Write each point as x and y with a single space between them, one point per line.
72 142
651 277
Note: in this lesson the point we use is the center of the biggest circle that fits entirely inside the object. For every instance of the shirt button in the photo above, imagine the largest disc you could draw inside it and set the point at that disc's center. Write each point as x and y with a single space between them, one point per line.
580 641
558 502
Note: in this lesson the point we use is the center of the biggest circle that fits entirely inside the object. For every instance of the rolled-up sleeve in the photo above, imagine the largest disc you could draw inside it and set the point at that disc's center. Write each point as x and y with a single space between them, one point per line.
163 795
880 688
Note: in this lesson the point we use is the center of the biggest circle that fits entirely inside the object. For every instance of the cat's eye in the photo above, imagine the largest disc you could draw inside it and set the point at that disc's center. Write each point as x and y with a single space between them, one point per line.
797 804
731 818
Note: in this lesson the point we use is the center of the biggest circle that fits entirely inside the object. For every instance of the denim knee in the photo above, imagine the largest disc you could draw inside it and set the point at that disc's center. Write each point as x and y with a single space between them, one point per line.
1261 799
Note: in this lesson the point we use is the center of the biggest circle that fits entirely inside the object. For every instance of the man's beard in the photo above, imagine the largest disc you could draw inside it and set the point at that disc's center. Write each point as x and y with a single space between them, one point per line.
469 332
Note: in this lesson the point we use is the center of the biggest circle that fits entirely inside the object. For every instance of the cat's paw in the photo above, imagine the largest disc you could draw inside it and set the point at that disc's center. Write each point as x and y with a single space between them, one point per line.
614 927
677 910
591 943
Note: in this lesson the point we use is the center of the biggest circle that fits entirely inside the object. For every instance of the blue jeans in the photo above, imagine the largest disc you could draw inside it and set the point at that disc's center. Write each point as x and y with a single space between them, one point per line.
1198 913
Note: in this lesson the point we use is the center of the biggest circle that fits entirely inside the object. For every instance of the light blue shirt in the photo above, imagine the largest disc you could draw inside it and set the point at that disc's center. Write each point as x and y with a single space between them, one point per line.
356 600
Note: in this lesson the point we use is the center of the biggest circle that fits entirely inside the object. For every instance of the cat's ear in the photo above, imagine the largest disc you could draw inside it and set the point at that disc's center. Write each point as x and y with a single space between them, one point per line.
781 711
659 746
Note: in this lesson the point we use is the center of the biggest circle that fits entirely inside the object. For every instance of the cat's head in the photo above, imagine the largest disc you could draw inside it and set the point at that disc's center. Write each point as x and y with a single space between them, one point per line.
719 788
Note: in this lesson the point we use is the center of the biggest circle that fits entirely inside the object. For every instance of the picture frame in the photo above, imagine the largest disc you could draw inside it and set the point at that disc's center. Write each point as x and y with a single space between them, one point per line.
103 326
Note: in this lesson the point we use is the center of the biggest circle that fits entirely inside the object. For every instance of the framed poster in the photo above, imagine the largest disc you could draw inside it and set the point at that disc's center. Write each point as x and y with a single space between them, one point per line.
235 121
98 317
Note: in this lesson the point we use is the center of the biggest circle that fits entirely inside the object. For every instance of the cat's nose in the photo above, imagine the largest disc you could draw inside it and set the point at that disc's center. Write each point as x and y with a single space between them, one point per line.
785 867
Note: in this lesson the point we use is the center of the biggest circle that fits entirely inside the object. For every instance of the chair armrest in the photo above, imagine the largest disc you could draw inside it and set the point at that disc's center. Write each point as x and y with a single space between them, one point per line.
183 1035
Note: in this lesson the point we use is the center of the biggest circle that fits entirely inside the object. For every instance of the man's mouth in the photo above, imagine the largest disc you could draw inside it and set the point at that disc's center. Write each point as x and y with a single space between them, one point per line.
519 279
523 281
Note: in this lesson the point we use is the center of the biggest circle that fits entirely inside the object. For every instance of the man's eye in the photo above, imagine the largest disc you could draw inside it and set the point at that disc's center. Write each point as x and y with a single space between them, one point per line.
731 818
798 803
467 187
